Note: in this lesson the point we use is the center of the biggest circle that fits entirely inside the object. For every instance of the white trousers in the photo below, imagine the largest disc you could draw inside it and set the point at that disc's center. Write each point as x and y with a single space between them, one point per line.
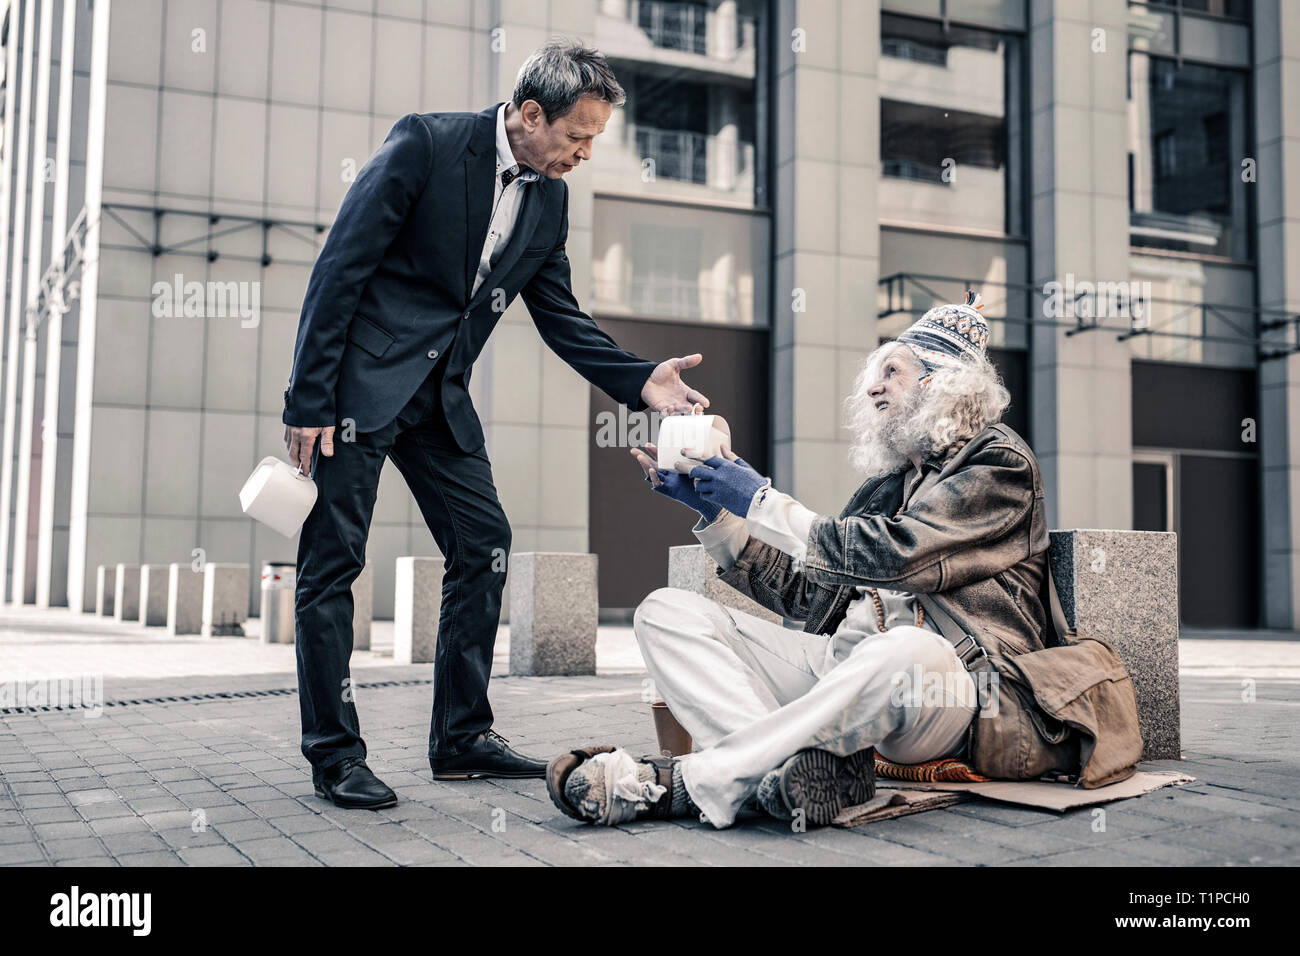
752 693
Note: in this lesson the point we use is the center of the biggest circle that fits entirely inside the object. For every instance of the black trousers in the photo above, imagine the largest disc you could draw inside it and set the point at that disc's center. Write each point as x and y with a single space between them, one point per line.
458 499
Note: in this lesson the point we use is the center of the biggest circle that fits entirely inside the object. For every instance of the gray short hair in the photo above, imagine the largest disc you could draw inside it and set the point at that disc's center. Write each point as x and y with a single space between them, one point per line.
562 72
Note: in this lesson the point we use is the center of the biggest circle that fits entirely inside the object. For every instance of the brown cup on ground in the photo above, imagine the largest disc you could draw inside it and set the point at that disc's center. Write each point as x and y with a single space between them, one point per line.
674 741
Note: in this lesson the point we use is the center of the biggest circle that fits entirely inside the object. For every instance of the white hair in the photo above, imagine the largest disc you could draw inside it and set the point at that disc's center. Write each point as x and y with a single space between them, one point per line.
957 404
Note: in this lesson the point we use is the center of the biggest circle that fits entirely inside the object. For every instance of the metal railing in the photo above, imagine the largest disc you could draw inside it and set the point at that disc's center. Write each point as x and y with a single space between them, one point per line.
902 49
916 172
677 154
1244 321
691 28
674 26
692 157
60 283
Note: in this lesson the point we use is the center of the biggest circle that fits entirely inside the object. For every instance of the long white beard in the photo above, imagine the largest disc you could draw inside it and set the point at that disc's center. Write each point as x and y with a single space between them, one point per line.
897 436
955 406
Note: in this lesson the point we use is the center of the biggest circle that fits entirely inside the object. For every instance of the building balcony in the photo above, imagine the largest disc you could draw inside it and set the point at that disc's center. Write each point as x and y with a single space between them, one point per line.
961 78
676 154
1198 233
716 40
680 164
901 48
917 172
971 198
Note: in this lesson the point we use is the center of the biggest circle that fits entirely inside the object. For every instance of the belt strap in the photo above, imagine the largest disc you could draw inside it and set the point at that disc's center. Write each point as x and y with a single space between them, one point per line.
971 655
969 651
662 808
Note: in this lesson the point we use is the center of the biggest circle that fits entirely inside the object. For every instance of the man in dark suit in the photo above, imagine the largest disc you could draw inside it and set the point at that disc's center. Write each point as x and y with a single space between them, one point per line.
452 217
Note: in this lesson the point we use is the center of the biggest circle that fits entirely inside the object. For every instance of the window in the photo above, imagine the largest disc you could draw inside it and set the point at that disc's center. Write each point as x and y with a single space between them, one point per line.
949 140
655 260
671 129
1188 129
1235 9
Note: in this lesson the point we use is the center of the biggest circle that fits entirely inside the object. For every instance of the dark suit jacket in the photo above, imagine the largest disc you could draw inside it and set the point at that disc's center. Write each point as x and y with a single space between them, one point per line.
390 292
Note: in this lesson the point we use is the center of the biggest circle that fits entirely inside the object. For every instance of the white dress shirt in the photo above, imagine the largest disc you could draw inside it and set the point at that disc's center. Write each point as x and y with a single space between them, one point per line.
506 203
779 520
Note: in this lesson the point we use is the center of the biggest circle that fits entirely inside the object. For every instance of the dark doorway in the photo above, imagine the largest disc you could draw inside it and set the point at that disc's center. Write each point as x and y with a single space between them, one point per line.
631 527
1151 503
1193 474
1218 567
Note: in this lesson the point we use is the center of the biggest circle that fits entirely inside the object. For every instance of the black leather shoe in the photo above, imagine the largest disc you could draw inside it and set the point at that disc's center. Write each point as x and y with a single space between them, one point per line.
351 784
489 756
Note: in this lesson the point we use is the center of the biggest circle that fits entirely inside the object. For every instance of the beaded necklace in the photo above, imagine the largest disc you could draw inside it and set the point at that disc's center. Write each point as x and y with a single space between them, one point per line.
875 594
880 611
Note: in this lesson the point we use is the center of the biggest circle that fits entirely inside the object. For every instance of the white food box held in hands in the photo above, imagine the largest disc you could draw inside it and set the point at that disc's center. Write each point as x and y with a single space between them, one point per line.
706 433
278 495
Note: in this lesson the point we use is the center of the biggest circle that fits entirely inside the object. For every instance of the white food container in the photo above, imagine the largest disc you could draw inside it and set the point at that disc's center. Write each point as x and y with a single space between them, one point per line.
278 495
707 433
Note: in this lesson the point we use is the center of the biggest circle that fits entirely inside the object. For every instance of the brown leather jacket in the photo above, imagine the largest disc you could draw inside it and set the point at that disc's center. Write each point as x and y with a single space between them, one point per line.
972 545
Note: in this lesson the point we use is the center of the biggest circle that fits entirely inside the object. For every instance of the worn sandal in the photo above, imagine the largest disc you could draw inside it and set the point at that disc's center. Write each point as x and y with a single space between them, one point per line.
561 767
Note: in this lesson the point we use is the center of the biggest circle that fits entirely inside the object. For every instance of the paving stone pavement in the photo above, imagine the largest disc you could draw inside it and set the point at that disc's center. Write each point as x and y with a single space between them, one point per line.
220 781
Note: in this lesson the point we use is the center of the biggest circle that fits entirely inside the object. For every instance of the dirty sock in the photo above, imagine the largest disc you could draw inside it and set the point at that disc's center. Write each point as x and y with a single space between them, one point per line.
683 805
769 796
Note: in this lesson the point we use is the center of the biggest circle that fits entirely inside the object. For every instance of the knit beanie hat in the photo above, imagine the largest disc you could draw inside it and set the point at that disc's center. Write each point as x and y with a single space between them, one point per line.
948 335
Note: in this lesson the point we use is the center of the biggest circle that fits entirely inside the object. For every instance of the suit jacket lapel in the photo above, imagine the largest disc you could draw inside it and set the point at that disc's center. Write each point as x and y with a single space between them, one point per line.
519 237
480 168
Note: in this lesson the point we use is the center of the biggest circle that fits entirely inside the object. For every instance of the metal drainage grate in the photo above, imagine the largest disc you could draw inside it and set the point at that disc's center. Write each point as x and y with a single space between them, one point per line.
195 698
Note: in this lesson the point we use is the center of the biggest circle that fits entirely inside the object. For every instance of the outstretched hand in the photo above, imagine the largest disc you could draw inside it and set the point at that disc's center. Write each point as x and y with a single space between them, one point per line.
666 393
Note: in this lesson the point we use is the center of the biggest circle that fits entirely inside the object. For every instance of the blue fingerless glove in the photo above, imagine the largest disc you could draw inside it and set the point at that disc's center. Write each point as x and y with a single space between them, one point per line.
728 484
682 489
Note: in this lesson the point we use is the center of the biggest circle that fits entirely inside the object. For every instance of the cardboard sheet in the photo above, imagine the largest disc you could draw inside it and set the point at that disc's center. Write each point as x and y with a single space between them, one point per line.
1042 795
887 804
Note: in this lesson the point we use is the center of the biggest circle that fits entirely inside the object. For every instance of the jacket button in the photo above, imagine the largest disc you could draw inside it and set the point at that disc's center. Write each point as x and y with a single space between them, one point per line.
465 315
433 353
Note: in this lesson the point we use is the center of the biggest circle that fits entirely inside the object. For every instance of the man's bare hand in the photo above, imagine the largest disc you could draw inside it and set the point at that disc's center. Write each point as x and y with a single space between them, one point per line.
666 393
301 442
648 460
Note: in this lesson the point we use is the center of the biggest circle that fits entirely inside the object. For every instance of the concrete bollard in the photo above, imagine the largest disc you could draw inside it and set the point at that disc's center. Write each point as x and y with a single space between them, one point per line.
1123 586
692 568
553 613
153 595
184 600
363 607
105 576
225 599
126 593
417 603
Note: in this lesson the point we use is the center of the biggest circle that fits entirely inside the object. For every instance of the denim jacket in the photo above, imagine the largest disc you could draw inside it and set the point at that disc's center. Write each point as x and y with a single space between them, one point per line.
972 545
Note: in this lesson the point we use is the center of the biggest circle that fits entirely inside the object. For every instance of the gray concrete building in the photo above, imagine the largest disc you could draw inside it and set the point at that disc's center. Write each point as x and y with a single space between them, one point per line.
789 183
